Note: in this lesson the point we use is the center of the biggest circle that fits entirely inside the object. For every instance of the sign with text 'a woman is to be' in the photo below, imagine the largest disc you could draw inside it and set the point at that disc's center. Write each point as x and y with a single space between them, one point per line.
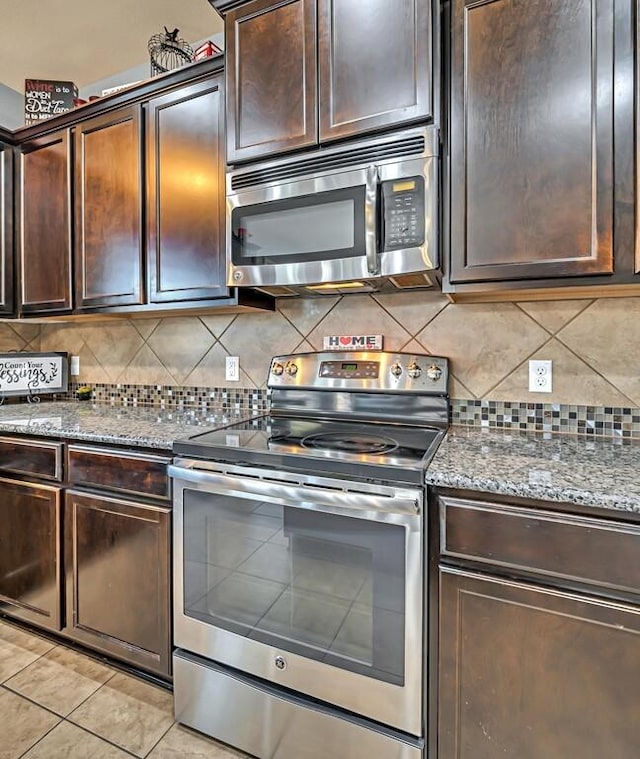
33 373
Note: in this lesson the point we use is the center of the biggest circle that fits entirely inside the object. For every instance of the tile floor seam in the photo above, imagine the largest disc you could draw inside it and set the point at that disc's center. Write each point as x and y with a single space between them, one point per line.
53 727
33 745
102 738
53 645
160 739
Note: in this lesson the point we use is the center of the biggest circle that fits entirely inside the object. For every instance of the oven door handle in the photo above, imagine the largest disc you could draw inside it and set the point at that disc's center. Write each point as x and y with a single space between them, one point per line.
310 497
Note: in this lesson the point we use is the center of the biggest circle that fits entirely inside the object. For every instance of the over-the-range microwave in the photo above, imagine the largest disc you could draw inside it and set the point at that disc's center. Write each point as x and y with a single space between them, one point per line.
358 217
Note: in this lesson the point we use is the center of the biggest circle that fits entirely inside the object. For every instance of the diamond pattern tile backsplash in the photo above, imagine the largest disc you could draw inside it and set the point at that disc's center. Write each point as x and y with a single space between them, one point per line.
592 343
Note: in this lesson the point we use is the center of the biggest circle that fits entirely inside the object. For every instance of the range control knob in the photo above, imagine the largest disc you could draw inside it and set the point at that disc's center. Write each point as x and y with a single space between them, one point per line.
396 369
277 369
291 369
413 370
280 662
434 372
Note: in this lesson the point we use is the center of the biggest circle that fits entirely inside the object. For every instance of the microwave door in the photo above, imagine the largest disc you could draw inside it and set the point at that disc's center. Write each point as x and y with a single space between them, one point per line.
313 230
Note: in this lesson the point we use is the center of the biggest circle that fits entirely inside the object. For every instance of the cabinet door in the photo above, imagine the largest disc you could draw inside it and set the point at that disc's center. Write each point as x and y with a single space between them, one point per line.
6 230
375 64
108 210
528 672
185 194
117 565
271 78
44 219
531 139
30 581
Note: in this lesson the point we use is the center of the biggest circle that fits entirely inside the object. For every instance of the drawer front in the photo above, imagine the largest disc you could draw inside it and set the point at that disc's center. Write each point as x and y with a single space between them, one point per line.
583 549
140 474
31 457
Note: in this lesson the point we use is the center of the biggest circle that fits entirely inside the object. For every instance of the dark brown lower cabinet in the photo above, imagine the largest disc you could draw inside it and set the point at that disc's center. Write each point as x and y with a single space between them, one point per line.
117 563
533 673
30 552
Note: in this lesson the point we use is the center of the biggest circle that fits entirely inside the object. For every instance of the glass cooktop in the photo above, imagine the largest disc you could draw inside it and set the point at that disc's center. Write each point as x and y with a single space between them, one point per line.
357 449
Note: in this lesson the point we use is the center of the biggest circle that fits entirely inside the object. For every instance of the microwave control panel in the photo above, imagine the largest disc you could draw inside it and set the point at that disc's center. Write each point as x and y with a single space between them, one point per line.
404 203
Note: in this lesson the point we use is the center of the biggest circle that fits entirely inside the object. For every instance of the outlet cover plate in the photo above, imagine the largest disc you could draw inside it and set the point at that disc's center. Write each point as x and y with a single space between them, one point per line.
232 368
540 376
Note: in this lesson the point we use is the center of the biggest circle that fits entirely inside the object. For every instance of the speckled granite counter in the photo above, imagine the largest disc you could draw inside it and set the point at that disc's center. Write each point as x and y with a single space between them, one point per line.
603 473
117 425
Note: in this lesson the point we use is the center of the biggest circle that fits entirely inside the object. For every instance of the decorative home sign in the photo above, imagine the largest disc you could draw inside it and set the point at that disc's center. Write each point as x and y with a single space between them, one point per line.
33 373
44 98
353 343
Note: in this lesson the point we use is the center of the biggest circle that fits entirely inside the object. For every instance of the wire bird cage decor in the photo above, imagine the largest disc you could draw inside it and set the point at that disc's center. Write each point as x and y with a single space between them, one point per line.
168 51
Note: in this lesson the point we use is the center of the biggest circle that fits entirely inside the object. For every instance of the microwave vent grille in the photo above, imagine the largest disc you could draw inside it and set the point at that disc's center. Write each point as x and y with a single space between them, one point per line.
408 146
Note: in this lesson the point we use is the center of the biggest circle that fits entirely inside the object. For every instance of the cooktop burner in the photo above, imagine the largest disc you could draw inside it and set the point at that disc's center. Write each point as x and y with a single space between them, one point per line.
342 441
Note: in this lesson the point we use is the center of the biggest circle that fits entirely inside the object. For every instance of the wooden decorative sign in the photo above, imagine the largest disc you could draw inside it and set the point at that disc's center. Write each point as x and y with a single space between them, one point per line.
44 98
33 373
353 343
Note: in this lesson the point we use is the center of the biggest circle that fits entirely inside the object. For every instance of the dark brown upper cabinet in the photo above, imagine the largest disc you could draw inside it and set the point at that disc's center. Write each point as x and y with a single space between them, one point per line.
44 224
6 230
108 210
271 78
531 139
373 63
185 194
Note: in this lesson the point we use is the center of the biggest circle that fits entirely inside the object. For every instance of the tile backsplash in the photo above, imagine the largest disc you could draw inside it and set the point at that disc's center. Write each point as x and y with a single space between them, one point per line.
591 343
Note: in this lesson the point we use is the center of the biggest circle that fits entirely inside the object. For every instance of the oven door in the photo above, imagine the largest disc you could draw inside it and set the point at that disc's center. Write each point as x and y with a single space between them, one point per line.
310 583
316 229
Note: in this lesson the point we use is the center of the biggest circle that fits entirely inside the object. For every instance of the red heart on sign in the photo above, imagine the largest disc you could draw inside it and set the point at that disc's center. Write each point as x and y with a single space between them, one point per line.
345 340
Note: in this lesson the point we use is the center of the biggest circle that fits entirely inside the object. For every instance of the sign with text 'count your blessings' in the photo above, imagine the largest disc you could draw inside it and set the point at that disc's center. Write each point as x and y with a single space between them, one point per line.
33 373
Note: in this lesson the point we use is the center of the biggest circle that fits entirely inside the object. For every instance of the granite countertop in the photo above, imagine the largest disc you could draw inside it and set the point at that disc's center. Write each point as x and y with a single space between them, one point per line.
117 425
603 473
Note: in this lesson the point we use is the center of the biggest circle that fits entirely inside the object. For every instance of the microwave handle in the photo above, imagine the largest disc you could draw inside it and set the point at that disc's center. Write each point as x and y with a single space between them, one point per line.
371 220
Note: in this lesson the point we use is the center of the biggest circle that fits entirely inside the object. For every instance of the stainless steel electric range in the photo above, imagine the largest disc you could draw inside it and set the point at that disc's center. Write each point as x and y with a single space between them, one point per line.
299 561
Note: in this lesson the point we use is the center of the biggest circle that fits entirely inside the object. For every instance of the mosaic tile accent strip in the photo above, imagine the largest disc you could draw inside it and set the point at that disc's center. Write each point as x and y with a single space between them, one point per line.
593 421
173 396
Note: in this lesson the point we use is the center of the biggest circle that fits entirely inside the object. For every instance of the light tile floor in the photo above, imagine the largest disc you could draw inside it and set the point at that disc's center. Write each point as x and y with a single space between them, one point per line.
56 703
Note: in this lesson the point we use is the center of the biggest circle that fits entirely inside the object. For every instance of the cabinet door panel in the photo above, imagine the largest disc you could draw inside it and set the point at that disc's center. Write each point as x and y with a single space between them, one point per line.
108 210
531 139
6 230
117 563
529 673
45 225
374 64
29 552
271 78
185 194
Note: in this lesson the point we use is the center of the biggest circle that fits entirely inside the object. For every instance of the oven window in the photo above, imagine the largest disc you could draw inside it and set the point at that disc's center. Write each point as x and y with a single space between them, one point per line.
305 228
328 587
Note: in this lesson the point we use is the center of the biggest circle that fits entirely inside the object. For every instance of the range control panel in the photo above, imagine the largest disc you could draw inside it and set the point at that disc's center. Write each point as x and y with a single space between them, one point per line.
404 212
367 371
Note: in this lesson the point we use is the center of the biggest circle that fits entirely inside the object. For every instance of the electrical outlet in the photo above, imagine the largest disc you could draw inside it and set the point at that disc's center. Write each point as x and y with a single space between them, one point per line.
75 366
540 376
232 369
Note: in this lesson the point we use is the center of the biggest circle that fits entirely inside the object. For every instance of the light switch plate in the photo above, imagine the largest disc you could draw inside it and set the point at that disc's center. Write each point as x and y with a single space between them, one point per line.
74 370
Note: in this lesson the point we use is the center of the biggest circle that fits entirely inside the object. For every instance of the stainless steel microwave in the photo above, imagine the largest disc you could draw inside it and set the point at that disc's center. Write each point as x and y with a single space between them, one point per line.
357 217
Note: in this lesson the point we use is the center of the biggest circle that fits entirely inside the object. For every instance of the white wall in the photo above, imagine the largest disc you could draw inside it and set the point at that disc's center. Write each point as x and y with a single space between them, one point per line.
11 108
